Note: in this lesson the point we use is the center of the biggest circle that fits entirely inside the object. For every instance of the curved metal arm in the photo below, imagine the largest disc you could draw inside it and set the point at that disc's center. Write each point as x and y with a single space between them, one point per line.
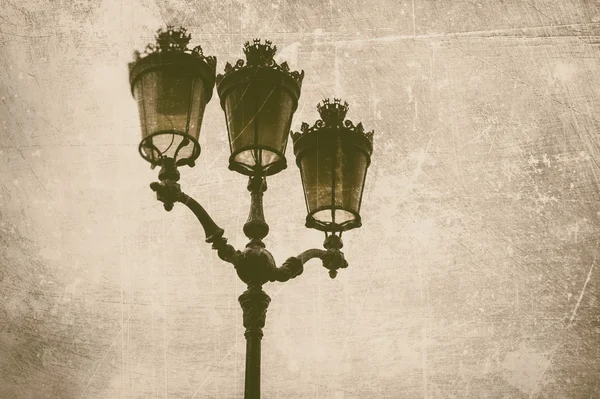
214 234
211 230
311 254
291 268
332 258
169 192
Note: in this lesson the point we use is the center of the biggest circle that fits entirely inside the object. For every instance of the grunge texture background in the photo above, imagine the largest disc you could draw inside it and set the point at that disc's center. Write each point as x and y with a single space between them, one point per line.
476 271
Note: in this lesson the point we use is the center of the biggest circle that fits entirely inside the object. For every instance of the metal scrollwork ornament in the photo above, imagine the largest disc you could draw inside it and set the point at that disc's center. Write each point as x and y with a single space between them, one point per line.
260 54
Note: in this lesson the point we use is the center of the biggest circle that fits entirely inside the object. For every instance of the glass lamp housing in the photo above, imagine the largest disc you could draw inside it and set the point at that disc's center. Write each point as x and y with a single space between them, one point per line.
259 98
333 157
172 86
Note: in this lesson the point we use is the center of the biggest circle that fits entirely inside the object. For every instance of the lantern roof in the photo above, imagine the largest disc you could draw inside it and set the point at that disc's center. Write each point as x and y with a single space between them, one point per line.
260 54
333 115
172 40
171 49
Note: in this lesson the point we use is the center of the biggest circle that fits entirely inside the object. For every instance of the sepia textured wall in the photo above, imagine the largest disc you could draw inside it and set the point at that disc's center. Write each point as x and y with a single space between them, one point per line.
475 274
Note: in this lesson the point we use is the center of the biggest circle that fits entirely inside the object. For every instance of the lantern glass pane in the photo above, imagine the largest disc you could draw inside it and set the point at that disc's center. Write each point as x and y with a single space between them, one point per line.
332 164
259 115
171 104
351 166
316 169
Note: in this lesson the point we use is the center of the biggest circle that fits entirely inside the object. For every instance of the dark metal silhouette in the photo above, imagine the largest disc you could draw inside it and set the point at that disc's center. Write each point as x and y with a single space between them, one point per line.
254 264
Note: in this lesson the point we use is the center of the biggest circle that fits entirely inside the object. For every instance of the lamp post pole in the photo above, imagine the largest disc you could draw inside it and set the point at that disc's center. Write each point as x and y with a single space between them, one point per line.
173 84
254 303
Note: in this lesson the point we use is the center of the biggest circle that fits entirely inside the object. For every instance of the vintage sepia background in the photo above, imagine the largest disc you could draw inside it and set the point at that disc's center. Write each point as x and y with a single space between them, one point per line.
475 274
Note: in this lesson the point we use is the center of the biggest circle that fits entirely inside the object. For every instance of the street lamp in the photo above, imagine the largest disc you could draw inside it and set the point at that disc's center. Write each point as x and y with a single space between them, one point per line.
172 85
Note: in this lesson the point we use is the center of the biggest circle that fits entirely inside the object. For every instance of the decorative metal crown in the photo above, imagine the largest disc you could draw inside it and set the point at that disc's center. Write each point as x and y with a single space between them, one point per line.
332 115
172 39
259 54
175 40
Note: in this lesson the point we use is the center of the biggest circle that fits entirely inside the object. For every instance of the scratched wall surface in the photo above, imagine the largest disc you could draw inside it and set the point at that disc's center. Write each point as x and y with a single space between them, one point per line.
476 271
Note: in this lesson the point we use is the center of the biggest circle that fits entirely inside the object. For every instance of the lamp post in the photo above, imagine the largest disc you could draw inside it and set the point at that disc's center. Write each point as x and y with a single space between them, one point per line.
172 85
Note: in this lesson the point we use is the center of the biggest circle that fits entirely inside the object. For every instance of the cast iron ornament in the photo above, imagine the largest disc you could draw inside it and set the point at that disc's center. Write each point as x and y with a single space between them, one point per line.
332 115
174 40
254 265
261 55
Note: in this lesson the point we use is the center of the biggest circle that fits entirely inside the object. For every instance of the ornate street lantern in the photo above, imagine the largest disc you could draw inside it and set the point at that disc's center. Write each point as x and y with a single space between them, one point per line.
259 98
172 85
333 157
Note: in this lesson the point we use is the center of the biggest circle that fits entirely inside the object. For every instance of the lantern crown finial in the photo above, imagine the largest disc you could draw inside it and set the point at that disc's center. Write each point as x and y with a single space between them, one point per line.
172 39
333 114
258 53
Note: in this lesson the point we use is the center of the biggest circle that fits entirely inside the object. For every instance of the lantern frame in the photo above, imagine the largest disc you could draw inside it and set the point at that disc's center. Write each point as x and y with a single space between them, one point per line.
336 133
170 53
259 66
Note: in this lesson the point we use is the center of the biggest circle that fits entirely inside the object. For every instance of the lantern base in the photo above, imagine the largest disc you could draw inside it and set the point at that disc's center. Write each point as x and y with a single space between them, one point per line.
322 219
257 161
179 140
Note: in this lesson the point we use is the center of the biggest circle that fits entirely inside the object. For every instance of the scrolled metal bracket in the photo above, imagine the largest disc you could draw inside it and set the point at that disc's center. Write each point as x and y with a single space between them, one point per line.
332 258
255 265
